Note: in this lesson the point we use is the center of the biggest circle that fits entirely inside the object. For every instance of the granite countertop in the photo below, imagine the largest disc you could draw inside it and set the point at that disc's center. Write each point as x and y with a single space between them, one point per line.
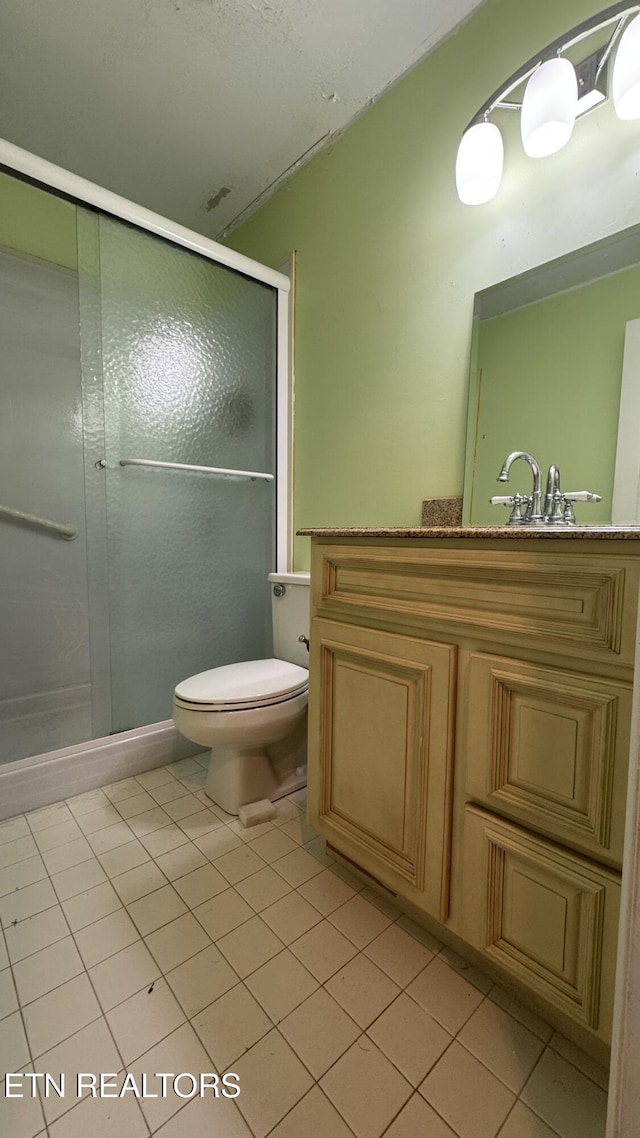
574 533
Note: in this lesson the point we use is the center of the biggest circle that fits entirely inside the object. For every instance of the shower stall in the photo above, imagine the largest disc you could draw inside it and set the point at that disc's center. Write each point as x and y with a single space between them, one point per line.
142 468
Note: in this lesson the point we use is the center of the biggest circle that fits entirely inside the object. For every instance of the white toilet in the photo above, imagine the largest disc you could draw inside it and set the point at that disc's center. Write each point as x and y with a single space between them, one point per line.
253 715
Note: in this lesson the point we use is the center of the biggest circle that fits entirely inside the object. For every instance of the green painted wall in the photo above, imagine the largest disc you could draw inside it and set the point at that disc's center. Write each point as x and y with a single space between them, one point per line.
389 261
550 385
37 223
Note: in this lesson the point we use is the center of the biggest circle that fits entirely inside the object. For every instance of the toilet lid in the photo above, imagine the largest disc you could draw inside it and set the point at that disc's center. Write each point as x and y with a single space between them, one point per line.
244 684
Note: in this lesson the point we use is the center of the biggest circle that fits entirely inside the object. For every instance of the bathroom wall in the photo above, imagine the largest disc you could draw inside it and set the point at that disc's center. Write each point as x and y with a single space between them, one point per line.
389 261
37 223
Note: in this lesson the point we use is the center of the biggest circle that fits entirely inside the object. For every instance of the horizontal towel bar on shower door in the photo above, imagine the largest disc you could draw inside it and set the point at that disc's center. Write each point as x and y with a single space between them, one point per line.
199 469
65 531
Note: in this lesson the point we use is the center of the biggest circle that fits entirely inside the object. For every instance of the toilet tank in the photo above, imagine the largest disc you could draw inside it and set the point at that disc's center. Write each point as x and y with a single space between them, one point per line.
290 600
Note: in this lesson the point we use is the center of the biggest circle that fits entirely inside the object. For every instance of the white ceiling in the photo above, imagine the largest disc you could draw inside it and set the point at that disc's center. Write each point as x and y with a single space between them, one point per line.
195 108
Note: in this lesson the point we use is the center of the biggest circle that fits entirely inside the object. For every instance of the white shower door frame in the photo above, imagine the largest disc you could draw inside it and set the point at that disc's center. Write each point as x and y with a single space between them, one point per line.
72 186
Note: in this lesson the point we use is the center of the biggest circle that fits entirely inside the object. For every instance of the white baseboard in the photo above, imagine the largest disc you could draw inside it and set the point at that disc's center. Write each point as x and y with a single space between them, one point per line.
42 779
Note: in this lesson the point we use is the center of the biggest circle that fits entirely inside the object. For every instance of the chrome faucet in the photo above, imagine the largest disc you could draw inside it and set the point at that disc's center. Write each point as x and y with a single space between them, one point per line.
558 506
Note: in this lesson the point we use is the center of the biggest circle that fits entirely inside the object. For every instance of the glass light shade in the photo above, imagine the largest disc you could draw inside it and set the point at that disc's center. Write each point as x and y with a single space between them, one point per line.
549 108
479 164
625 85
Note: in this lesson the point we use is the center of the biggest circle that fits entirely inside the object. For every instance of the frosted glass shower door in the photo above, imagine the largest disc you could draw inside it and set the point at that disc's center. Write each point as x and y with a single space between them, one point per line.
189 370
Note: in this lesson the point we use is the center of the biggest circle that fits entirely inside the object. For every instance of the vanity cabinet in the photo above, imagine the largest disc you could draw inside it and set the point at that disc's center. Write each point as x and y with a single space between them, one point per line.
469 720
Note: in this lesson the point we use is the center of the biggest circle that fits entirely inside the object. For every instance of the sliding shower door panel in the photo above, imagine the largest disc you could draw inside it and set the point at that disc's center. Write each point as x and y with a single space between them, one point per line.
189 377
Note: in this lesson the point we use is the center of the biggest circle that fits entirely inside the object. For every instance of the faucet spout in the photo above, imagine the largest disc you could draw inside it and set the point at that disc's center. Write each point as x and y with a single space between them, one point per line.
534 512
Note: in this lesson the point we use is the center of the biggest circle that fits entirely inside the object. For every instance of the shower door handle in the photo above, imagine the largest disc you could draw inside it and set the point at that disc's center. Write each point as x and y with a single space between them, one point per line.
66 531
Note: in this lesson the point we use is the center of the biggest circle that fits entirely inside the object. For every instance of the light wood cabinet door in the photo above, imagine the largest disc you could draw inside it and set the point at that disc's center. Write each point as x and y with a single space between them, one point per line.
546 916
550 749
380 762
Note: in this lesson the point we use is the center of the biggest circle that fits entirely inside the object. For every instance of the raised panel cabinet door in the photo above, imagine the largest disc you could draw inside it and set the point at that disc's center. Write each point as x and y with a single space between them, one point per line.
380 755
546 916
550 749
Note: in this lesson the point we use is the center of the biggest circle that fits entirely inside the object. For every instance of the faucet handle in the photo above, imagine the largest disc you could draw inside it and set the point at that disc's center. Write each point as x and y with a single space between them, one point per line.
517 501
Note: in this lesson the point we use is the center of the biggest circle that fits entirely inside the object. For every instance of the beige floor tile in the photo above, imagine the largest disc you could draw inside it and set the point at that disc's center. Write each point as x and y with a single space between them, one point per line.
200 824
250 833
581 1060
285 811
299 830
123 974
59 835
181 861
59 1014
180 1051
205 1117
359 920
86 908
362 990
523 1123
507 1048
327 891
419 1120
98 819
149 820
319 1032
135 804
110 838
318 849
422 935
195 781
273 1080
109 935
298 867
314 1114
49 816
221 914
26 902
85 803
120 791
34 933
47 969
467 1095
156 909
100 1117
263 888
270 847
4 955
218 842
176 942
200 885
291 916
384 901
158 776
323 950
20 1117
183 807
184 767
13 829
144 1019
137 882
467 970
168 791
568 1102
366 1089
21 873
249 946
281 985
200 980
445 995
8 998
122 858
398 954
90 1050
17 850
410 1038
63 857
239 863
164 840
14 1051
78 878
230 1026
345 874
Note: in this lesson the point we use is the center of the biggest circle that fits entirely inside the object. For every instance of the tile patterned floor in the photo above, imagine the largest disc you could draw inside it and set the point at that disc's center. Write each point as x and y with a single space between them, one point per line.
144 931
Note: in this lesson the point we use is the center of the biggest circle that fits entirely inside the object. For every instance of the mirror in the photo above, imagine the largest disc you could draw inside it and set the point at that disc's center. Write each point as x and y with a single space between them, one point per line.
547 360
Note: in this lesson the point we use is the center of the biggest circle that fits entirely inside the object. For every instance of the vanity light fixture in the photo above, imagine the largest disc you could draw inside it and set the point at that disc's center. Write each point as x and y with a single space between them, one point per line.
557 92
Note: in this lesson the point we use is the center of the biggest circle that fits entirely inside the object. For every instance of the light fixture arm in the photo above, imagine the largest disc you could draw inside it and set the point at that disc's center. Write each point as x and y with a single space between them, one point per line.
617 13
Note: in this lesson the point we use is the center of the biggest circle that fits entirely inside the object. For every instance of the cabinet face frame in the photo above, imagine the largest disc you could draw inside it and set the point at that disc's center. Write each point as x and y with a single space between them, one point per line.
394 823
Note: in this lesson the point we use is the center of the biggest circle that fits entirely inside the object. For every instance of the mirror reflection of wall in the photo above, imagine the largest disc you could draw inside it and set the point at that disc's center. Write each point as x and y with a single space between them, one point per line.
546 369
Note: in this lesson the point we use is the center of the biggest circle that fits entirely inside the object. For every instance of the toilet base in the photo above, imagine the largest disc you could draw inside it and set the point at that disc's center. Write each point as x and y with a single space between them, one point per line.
237 777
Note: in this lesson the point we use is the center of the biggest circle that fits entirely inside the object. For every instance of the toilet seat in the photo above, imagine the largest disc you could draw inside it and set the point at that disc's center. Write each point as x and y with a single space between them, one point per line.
240 687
